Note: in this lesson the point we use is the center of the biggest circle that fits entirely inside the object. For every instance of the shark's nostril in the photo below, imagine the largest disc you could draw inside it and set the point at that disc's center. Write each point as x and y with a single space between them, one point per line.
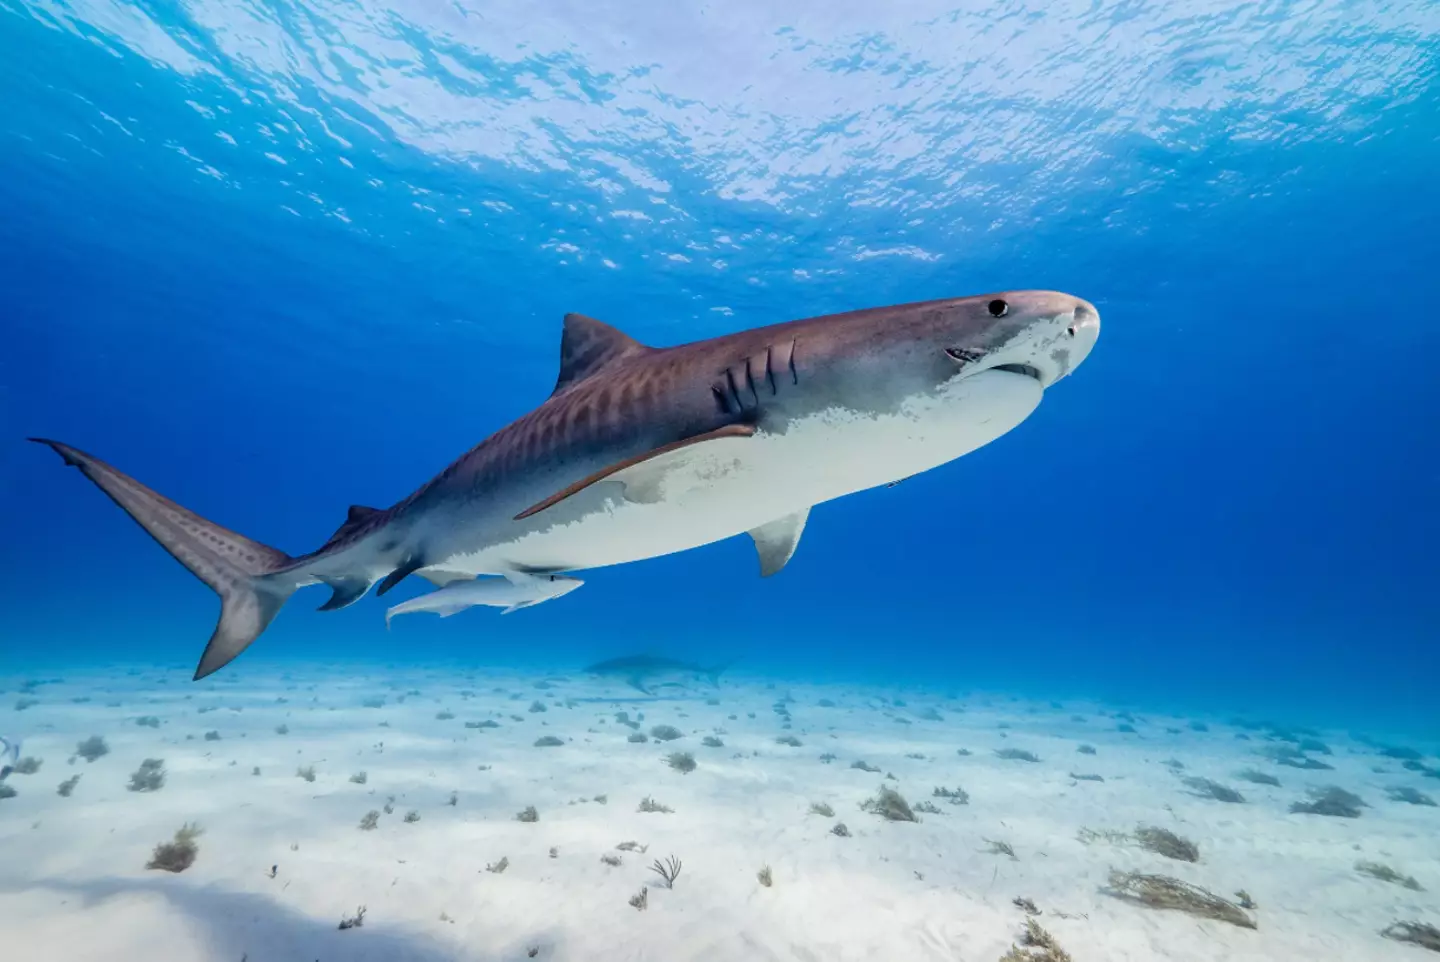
1083 318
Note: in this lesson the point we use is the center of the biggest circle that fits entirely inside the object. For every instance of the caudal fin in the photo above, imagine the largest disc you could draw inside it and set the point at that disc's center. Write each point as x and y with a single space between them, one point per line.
714 673
231 564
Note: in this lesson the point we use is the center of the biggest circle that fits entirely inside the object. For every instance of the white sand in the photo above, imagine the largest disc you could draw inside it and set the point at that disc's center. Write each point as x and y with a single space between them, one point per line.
73 885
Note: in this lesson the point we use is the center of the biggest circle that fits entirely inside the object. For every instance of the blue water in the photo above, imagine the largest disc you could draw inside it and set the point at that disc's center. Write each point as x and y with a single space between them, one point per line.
277 258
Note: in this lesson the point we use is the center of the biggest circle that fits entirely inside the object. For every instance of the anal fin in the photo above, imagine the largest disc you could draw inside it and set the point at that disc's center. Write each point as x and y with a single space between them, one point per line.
777 540
729 431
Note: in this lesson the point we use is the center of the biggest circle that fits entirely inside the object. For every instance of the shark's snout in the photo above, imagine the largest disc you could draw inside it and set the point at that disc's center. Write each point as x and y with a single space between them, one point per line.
1057 334
1081 333
1085 318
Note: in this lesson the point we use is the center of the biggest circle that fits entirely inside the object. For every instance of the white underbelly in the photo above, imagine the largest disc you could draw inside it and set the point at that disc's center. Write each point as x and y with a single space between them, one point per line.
722 488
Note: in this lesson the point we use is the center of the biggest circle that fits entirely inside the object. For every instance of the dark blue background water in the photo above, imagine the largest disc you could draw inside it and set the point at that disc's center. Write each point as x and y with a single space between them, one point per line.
1231 506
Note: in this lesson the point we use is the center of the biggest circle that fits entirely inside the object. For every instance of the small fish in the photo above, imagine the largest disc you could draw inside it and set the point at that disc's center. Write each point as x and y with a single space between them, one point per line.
512 592
9 755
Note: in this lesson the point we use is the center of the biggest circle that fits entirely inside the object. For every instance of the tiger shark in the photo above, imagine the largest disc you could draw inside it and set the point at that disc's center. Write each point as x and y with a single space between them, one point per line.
644 451
646 672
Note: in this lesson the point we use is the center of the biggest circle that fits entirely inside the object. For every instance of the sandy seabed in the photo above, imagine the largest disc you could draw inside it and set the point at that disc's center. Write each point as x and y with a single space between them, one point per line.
74 886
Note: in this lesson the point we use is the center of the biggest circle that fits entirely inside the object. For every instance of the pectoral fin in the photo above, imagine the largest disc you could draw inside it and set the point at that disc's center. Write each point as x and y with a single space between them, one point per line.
729 431
776 541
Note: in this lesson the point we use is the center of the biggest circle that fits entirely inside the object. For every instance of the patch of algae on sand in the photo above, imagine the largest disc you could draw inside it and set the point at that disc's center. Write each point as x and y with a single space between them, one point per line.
890 805
1385 873
1416 933
1036 945
1164 842
1163 892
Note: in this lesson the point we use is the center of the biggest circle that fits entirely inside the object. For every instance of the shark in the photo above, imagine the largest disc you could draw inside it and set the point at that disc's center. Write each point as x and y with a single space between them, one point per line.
9 755
644 451
644 672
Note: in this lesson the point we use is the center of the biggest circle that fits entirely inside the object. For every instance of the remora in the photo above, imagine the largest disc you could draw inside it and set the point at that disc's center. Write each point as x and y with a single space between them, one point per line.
643 451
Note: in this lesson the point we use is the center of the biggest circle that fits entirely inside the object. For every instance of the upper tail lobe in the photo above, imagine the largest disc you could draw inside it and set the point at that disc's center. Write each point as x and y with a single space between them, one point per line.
231 564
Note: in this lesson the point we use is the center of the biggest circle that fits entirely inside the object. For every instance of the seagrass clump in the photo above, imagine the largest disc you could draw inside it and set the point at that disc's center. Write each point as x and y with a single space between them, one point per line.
1331 800
1164 842
1385 873
1416 933
1207 788
1164 892
179 854
889 805
1036 945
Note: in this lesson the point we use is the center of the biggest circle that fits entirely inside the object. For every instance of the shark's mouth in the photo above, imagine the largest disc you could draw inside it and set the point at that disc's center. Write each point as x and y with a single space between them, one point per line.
970 355
967 356
1024 369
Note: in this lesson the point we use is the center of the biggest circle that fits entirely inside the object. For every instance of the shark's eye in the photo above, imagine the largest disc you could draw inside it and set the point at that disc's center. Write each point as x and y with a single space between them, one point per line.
998 308
1071 330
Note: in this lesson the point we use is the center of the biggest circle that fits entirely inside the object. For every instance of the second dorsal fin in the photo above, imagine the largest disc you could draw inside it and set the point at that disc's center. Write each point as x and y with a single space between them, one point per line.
587 345
357 516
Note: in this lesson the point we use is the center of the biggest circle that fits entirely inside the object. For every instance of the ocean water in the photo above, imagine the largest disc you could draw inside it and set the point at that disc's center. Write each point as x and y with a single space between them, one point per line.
276 258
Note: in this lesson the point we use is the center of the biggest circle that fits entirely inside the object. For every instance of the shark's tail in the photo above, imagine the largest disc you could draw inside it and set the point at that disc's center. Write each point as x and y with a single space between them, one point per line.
9 755
231 564
715 672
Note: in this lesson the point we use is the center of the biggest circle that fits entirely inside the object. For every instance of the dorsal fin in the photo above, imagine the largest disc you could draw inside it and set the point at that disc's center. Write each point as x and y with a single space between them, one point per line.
588 345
